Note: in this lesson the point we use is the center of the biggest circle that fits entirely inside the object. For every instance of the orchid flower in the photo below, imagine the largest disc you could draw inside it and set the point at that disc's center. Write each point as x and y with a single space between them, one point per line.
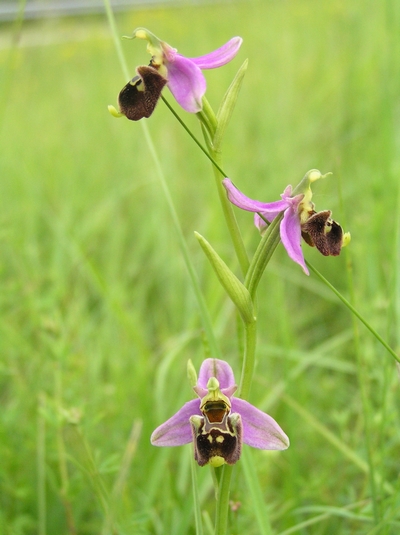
183 75
299 219
219 423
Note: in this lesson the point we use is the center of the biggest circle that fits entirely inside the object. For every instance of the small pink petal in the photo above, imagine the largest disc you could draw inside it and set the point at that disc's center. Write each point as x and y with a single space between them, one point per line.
259 429
219 57
287 193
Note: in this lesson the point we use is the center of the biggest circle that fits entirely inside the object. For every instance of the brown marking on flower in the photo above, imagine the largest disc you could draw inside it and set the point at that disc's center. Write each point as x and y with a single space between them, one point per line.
219 442
140 96
323 232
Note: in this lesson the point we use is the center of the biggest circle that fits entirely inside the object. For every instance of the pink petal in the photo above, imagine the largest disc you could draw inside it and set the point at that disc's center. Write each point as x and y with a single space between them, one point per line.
177 430
221 371
259 222
291 237
219 57
288 193
187 83
259 429
268 210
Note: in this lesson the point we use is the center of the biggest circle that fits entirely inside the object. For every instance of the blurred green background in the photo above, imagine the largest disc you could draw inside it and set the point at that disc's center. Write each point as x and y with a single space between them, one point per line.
98 318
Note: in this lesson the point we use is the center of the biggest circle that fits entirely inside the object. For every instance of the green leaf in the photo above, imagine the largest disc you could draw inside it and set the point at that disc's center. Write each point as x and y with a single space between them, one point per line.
233 287
227 106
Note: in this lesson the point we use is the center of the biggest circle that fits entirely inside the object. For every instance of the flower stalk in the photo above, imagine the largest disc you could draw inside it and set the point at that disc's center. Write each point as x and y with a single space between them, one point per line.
207 117
266 247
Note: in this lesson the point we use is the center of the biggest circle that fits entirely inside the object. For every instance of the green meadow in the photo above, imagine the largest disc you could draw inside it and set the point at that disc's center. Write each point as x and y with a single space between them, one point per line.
98 314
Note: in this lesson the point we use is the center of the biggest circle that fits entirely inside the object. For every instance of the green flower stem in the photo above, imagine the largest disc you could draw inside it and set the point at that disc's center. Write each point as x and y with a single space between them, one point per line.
208 118
227 209
222 507
208 112
230 219
203 149
262 256
355 312
248 359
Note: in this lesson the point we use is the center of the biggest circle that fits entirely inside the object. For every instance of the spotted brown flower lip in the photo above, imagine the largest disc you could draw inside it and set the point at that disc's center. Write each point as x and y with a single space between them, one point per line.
218 423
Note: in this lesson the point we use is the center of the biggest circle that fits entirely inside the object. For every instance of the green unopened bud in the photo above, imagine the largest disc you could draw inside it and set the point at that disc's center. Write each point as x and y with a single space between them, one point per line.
227 105
236 290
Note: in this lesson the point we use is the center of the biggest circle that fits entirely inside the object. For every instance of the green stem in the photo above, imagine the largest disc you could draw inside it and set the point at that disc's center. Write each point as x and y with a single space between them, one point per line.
262 256
188 131
248 359
355 312
222 507
230 220
117 40
207 117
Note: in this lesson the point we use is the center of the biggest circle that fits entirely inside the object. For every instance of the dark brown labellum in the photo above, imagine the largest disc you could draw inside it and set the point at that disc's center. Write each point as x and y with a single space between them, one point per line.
216 443
323 232
140 96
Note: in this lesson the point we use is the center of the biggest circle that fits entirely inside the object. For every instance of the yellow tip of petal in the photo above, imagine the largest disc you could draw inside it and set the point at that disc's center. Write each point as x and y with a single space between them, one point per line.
346 239
114 112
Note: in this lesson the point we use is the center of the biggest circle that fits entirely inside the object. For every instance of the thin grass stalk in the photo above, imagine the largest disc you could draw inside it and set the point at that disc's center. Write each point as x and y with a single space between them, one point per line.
334 440
62 456
122 476
198 521
256 494
363 382
355 312
204 314
41 465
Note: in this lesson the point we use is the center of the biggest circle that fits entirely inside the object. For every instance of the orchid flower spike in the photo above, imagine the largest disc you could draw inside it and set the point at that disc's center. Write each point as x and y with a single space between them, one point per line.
183 75
217 424
299 219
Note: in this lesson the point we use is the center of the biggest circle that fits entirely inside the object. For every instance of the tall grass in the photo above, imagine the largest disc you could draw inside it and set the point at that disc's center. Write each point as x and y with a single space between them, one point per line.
98 317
